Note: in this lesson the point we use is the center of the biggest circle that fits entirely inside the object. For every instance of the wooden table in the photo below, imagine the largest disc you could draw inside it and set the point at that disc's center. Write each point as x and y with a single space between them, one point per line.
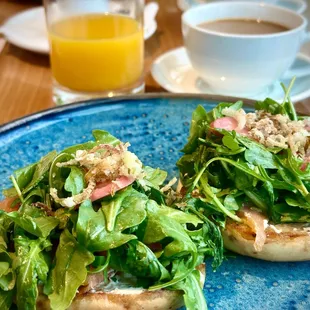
25 77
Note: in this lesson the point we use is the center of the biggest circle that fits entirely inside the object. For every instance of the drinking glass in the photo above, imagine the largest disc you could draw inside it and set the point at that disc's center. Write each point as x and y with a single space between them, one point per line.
96 48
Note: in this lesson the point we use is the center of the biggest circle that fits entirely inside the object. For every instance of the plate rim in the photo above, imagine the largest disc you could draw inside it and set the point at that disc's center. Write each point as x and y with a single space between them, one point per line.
22 121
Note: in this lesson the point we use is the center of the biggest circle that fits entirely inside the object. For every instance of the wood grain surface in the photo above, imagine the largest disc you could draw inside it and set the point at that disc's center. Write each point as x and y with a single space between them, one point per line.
25 77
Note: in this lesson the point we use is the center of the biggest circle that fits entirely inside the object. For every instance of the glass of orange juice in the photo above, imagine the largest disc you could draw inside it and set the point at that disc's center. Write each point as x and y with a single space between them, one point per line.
96 48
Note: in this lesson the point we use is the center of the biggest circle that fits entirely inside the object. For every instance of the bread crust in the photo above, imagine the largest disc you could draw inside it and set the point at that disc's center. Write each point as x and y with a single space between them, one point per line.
284 242
146 300
117 300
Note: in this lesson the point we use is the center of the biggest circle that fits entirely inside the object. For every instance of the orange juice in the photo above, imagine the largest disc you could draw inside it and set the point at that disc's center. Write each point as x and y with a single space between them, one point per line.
96 52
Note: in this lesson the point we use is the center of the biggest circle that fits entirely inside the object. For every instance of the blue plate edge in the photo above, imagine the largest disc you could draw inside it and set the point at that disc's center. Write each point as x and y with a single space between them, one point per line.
230 285
4 128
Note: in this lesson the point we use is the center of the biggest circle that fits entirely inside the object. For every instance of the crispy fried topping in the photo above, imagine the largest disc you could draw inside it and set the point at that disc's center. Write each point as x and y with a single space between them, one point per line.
278 131
103 164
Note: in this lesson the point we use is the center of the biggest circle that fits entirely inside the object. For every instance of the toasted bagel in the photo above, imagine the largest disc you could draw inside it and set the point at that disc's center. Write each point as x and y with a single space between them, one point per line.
126 299
284 242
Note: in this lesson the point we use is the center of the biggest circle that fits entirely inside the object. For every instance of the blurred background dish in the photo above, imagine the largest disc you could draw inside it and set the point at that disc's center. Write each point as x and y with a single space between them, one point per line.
299 6
174 72
27 29
240 48
96 48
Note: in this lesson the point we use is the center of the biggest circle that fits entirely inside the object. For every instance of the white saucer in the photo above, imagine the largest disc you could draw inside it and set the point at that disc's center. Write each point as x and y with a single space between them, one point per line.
174 72
299 6
28 30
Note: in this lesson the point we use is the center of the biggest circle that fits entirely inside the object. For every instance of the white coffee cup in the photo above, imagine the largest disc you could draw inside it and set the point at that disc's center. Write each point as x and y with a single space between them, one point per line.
298 6
237 64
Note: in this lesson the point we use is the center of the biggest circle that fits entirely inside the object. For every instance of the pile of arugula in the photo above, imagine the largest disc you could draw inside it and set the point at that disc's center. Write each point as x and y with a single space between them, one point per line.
46 247
230 170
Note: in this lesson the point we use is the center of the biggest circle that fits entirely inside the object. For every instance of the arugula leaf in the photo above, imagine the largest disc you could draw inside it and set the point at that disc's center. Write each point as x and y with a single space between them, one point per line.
193 296
7 274
7 277
276 180
153 177
198 116
230 142
31 266
271 106
63 215
179 216
101 136
132 211
105 137
123 199
112 206
217 112
58 175
142 262
207 190
208 238
298 201
160 226
258 199
70 271
290 176
181 269
230 203
6 299
4 229
287 102
93 227
75 182
257 154
23 177
295 164
283 213
34 221
71 150
40 171
92 232
100 264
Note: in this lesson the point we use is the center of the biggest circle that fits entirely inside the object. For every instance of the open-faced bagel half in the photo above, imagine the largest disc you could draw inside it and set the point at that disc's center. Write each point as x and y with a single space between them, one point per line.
283 243
126 299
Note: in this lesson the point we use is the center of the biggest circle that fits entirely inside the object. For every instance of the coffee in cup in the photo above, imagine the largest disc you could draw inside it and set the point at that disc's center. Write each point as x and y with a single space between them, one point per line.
240 48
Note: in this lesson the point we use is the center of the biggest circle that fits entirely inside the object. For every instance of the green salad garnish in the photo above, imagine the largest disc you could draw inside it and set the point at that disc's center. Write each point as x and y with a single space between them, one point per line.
259 159
95 209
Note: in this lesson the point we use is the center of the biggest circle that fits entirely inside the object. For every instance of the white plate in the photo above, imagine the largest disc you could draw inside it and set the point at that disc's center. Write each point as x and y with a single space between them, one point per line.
174 72
28 30
299 6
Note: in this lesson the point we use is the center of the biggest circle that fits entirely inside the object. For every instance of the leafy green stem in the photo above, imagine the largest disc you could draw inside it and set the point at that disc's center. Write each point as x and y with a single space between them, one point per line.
103 267
288 99
237 165
224 165
19 193
177 279
208 192
199 175
258 202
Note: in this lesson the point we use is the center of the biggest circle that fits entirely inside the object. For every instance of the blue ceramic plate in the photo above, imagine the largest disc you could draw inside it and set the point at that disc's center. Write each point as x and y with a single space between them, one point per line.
157 127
